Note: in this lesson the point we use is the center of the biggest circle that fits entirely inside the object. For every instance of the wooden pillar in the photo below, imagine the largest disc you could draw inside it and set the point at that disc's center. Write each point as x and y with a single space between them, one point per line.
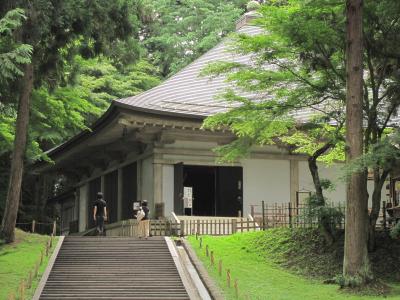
102 184
139 180
119 200
294 180
158 199
83 206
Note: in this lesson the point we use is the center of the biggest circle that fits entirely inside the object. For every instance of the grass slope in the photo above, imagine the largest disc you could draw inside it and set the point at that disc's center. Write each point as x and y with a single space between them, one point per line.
279 264
18 258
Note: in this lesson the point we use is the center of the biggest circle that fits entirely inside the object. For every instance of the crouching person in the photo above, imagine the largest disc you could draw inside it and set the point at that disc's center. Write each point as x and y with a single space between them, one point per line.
144 222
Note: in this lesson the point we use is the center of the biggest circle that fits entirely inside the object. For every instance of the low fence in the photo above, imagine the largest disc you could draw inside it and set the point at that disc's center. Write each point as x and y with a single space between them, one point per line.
130 228
288 215
30 277
46 228
218 227
183 227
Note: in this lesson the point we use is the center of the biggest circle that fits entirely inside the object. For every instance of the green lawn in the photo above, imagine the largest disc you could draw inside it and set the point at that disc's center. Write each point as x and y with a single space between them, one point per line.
17 259
261 278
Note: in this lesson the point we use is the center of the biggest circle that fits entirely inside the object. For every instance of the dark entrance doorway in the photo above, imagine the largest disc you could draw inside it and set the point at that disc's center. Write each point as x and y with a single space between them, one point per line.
217 191
94 188
111 195
129 190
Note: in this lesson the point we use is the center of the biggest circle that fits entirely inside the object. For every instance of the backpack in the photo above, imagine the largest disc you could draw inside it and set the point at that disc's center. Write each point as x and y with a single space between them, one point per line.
140 214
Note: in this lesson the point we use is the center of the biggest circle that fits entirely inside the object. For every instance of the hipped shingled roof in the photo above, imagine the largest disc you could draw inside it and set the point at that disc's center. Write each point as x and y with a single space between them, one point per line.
189 93
184 95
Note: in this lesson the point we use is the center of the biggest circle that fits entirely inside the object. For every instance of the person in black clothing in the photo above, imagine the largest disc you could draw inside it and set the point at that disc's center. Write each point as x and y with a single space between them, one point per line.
100 213
144 223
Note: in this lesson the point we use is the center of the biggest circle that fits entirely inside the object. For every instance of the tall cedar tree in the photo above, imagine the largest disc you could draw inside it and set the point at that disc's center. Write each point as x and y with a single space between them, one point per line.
355 262
51 26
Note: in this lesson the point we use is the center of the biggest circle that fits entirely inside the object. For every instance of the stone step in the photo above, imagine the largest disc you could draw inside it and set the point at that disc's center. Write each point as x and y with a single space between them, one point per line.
113 268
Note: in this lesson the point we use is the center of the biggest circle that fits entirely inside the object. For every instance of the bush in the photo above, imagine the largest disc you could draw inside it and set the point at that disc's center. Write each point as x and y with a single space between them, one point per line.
395 231
323 214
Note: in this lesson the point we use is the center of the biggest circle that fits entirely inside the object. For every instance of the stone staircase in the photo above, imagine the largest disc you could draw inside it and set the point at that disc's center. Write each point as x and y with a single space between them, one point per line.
114 268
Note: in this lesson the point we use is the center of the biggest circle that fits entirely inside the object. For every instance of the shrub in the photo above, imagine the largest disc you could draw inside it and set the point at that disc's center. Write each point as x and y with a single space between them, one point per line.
323 214
395 231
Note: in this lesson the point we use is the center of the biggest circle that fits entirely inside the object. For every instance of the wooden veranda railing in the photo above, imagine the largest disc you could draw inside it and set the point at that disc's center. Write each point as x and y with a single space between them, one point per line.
223 226
129 228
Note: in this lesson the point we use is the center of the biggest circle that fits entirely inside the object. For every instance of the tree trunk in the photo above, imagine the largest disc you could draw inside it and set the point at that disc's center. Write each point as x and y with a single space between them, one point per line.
17 160
313 167
355 264
379 180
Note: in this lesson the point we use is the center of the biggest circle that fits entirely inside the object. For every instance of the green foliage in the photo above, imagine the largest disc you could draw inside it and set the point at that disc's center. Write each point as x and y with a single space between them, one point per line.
395 231
72 92
356 281
313 136
328 215
104 82
12 54
285 263
253 5
292 74
382 154
18 259
181 31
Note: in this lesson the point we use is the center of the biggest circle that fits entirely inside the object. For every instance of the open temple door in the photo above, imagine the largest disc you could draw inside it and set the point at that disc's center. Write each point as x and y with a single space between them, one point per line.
230 191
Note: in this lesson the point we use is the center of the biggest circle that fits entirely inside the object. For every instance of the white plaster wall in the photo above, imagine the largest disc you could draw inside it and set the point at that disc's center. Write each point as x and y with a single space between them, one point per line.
168 189
335 174
265 179
83 204
370 186
331 172
147 182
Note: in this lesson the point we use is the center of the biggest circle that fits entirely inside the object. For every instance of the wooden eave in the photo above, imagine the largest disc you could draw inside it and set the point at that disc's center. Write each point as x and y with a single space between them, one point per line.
120 129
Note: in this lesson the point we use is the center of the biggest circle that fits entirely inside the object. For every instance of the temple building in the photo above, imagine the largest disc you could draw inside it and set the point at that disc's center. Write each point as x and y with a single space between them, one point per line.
151 146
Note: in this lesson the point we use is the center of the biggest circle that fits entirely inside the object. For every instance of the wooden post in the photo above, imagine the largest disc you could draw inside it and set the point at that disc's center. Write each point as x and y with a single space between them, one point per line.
182 228
33 226
252 210
290 214
36 270
212 257
41 257
29 282
384 214
228 278
207 254
234 227
236 288
11 296
22 290
47 247
263 214
54 227
201 242
198 226
220 267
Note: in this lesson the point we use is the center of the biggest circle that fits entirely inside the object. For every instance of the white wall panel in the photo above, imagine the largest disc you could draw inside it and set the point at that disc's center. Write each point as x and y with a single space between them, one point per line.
267 180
